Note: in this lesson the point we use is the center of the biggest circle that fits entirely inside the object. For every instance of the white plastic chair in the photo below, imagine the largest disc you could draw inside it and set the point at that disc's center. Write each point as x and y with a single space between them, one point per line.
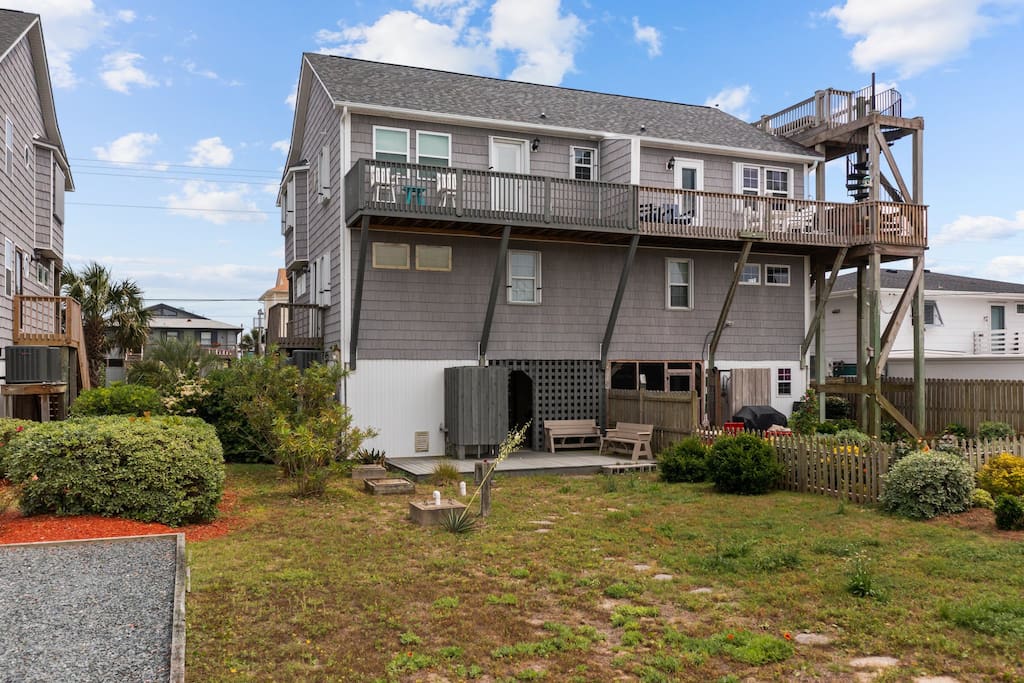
381 183
446 188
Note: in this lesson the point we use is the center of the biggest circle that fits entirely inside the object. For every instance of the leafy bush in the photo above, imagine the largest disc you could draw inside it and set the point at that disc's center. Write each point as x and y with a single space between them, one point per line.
958 430
684 461
1003 474
805 418
980 498
1009 513
995 430
892 432
166 469
118 399
743 464
825 428
925 484
845 424
854 437
10 428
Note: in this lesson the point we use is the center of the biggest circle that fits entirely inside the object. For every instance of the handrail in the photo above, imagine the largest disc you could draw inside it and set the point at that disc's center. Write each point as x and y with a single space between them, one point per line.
289 324
831 108
51 321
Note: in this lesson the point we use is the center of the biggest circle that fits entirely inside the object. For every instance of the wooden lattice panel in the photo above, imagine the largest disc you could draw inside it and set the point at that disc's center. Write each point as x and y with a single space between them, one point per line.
562 390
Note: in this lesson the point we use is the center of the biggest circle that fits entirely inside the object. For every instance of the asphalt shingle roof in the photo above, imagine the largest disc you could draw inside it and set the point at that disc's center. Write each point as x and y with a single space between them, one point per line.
389 85
12 25
898 279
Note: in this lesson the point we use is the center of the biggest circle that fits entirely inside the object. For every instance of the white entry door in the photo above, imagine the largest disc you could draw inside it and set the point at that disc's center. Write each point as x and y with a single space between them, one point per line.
509 155
689 175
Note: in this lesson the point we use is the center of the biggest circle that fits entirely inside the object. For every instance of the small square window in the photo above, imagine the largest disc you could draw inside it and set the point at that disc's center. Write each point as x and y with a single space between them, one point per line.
433 149
678 281
776 276
391 256
785 381
751 274
205 338
429 257
1020 308
524 277
390 144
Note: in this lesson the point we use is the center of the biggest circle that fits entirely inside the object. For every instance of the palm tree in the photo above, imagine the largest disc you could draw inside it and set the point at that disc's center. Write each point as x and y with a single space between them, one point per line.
113 314
172 362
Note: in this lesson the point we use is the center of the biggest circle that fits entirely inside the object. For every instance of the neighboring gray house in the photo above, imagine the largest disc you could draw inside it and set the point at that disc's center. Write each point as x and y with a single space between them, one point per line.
435 220
974 328
34 175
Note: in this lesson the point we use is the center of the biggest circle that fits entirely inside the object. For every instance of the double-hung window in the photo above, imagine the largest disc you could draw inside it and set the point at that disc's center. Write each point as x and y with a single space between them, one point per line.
583 164
524 277
763 181
751 274
433 149
678 283
205 338
776 276
784 386
390 144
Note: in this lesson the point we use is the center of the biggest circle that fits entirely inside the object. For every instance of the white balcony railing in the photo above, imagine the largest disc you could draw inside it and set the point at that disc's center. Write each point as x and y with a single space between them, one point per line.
998 342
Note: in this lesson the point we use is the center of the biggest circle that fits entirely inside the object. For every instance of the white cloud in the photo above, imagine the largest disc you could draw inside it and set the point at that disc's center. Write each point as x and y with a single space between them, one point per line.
647 35
980 229
193 69
126 16
120 72
290 100
733 100
535 33
544 39
130 148
70 26
211 152
911 36
1009 268
281 146
209 202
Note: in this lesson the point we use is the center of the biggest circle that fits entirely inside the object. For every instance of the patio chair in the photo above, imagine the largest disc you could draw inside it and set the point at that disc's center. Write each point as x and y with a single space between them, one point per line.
381 183
446 188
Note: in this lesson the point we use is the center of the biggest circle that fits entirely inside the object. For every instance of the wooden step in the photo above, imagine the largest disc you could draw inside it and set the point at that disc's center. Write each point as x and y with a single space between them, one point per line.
624 467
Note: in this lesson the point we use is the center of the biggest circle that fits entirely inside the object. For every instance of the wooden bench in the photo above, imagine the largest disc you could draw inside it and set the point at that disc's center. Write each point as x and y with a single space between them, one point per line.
631 437
570 434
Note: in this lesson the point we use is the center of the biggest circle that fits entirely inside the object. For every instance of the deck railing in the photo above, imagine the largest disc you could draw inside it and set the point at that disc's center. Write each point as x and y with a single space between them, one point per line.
47 321
292 326
415 191
831 108
999 342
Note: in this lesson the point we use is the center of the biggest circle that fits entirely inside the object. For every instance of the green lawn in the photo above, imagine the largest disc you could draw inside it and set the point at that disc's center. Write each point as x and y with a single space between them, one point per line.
345 588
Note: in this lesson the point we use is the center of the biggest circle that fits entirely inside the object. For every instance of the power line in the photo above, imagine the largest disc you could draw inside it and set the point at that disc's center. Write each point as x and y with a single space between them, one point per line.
133 176
158 164
161 298
166 208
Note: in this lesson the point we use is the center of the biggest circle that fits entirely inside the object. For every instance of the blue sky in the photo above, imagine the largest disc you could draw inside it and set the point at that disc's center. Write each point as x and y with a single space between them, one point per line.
175 114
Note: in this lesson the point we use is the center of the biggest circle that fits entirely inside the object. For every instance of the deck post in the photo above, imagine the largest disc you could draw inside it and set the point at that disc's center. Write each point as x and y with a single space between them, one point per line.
357 296
862 346
917 171
617 302
917 313
874 378
821 294
485 334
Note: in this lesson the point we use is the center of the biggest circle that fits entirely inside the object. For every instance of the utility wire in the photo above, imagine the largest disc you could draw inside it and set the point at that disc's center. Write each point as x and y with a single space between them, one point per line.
134 176
155 163
166 208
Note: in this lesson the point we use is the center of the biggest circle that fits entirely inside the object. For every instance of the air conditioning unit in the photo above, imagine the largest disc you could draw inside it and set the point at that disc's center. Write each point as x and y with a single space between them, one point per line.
33 364
303 358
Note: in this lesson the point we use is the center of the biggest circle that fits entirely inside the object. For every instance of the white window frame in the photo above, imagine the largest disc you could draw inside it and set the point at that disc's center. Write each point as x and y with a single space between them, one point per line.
936 315
573 165
780 380
289 221
8 267
322 280
1020 309
324 173
783 267
300 284
404 131
537 287
447 159
420 247
44 272
669 284
762 180
206 338
373 257
757 281
171 334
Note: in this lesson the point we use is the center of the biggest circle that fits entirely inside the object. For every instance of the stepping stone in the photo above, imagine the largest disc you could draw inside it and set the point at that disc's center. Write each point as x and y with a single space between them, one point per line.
935 679
543 530
873 662
662 577
641 567
702 590
541 522
812 639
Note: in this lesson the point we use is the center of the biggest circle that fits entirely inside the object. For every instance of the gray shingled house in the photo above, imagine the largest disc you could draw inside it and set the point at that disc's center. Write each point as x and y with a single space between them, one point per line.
34 175
581 240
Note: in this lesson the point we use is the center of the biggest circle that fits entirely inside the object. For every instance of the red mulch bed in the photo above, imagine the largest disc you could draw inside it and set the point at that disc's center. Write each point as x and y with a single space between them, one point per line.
981 520
16 528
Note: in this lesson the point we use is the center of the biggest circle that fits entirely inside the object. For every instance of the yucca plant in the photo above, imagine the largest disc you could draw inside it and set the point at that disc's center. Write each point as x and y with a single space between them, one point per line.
457 522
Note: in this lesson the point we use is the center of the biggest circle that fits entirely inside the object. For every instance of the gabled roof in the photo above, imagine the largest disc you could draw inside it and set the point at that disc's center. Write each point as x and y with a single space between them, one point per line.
898 279
407 89
184 320
178 312
15 25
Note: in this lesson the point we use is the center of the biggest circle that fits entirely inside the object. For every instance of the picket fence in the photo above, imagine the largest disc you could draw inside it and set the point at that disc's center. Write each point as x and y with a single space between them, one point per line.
828 466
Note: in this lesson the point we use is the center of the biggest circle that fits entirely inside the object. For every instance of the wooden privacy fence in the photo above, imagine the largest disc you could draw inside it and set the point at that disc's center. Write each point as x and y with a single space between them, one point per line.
965 401
829 467
674 414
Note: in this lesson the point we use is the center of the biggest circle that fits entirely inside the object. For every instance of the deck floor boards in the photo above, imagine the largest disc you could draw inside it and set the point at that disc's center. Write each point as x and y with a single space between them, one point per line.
520 462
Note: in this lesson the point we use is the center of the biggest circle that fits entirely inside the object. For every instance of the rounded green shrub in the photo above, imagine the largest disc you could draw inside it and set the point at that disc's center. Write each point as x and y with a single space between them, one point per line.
1003 474
854 437
958 430
925 484
11 428
684 461
980 498
165 469
826 428
1009 513
118 399
995 430
743 464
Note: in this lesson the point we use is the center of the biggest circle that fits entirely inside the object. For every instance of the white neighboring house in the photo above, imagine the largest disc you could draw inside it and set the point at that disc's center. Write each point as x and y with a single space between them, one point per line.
974 328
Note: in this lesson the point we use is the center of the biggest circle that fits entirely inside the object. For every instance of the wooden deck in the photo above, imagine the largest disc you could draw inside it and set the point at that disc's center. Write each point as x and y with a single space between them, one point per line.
521 462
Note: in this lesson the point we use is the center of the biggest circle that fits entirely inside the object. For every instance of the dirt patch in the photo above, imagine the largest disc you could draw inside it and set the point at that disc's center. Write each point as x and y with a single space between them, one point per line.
978 519
17 528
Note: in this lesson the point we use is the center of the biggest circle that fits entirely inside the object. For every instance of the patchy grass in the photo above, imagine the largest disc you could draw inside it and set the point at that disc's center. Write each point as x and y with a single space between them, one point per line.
346 589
